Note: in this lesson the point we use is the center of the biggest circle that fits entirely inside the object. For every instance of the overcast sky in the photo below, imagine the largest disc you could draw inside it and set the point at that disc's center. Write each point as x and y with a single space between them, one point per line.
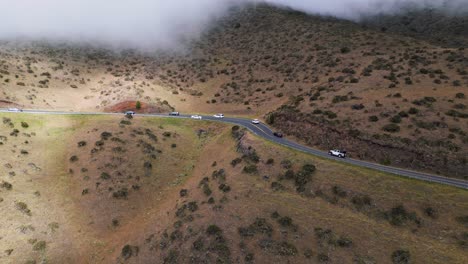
152 24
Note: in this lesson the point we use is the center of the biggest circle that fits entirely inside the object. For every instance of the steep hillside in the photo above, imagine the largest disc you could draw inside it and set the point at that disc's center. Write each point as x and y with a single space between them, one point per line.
149 190
445 28
383 96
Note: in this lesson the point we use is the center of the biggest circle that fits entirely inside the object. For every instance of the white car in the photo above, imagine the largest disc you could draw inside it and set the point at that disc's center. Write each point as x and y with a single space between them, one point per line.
14 110
196 117
219 116
256 121
337 153
129 113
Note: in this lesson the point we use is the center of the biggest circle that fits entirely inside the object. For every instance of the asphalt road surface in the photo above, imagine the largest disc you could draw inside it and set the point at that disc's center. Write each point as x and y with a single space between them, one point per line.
264 131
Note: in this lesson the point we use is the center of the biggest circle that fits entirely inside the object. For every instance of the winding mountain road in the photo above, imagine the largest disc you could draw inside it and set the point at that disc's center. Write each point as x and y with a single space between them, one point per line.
264 131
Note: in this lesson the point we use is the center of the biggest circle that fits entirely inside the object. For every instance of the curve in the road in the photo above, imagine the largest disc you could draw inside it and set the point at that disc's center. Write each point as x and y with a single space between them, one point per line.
264 131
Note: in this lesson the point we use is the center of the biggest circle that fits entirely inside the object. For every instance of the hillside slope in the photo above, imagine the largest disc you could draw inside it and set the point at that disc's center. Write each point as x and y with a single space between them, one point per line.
110 190
383 96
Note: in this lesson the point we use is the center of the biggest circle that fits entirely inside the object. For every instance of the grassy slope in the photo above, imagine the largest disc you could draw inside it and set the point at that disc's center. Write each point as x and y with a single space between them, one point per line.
84 231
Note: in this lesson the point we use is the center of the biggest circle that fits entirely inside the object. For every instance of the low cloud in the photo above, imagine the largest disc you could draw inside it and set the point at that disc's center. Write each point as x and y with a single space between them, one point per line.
163 24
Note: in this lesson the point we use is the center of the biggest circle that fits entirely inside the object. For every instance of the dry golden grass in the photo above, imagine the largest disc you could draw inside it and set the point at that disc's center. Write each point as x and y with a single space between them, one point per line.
79 228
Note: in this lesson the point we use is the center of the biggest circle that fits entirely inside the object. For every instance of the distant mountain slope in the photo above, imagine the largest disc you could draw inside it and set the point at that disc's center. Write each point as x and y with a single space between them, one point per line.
435 26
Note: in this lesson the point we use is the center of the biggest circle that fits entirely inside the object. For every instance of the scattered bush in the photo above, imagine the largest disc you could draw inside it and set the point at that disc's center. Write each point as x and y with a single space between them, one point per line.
276 186
24 125
23 207
40 245
401 257
250 169
285 221
236 161
345 50
224 187
206 189
6 185
105 176
214 230
399 215
396 119
338 191
129 251
392 128
183 192
357 107
413 111
373 118
455 113
431 212
463 220
361 200
121 194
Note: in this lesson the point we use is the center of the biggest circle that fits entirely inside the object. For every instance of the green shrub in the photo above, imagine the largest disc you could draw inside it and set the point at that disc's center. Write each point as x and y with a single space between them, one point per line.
129 251
285 221
183 192
6 185
413 111
345 50
198 244
206 189
121 193
40 245
373 118
361 200
344 242
214 230
236 161
455 113
338 191
463 220
392 128
250 169
396 119
224 187
403 114
106 135
138 105
431 212
401 257
399 215
192 206
105 176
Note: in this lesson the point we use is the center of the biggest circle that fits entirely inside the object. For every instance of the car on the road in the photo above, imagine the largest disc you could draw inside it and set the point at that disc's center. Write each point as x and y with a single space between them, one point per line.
196 117
14 110
219 115
129 113
337 153
174 113
255 121
278 134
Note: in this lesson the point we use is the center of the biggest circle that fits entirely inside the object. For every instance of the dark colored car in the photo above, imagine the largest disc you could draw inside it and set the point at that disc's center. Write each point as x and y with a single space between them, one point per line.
174 113
278 134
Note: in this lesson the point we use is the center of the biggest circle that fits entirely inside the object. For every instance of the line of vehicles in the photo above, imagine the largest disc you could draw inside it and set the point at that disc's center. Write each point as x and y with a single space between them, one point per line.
334 152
